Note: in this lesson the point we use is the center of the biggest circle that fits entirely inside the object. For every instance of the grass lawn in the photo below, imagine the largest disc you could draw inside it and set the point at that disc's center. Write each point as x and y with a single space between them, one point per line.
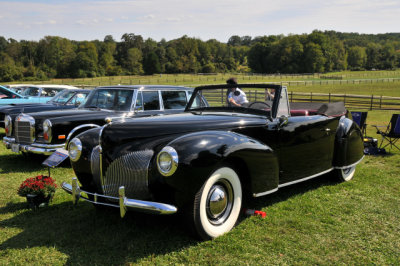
316 222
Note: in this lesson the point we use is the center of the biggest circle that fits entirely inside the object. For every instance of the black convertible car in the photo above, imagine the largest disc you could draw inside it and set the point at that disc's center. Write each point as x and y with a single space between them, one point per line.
66 99
204 161
44 132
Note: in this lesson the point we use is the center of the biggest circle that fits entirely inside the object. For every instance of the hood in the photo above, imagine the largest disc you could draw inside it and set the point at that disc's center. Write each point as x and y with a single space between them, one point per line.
17 108
147 127
71 114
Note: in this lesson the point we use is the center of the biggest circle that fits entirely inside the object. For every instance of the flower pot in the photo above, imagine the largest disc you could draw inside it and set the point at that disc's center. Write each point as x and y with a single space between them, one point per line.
37 201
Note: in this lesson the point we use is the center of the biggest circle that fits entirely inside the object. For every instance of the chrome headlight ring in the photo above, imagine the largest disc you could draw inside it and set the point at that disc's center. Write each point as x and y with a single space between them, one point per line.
167 161
75 149
47 132
8 125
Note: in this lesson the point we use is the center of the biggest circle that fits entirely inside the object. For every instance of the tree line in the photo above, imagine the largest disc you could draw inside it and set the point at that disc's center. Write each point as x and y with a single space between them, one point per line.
57 57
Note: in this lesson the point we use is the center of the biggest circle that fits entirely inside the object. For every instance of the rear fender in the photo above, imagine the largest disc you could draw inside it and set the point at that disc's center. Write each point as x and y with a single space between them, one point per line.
349 147
202 153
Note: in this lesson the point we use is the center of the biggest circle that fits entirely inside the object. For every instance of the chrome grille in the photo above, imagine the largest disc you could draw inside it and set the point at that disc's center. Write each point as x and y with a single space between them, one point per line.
24 129
130 171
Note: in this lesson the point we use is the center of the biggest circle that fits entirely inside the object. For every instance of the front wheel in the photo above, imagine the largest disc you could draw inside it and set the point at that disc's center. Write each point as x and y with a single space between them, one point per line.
217 204
345 174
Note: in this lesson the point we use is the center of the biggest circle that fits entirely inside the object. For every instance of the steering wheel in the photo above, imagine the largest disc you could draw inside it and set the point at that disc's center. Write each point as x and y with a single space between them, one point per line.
259 105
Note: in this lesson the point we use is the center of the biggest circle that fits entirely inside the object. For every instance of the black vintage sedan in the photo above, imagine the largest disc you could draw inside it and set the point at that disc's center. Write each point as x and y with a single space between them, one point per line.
204 161
66 99
44 132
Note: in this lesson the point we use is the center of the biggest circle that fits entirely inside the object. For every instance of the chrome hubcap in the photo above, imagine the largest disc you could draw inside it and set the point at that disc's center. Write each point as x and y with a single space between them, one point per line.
346 171
219 202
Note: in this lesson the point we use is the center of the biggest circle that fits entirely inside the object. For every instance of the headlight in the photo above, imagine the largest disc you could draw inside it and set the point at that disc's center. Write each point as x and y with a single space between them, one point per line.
47 134
8 125
167 161
75 149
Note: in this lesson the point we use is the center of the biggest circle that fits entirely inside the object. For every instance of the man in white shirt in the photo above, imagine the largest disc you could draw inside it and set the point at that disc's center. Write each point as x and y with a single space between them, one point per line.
235 96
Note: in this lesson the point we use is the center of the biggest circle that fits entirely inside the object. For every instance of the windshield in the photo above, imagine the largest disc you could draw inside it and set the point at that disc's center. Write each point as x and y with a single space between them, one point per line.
62 96
245 98
111 99
30 91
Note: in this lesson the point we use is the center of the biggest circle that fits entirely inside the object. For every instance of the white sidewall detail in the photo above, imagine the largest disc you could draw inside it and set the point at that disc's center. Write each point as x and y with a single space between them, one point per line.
231 176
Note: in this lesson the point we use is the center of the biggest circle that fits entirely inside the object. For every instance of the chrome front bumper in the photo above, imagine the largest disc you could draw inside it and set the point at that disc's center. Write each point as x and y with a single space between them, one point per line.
124 204
38 148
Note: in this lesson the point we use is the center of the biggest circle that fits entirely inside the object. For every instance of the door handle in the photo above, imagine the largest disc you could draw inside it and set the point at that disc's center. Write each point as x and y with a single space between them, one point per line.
327 130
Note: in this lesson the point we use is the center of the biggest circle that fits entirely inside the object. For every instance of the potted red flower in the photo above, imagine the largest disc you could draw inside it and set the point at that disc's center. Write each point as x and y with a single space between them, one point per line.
38 190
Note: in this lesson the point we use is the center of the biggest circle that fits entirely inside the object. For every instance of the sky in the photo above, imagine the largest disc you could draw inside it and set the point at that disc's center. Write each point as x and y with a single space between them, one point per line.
204 19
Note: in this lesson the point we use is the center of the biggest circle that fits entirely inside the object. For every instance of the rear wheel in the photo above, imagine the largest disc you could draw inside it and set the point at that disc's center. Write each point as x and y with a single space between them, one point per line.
217 204
345 174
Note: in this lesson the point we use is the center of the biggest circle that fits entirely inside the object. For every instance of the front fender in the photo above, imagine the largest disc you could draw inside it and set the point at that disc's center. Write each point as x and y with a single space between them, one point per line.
77 130
349 147
202 152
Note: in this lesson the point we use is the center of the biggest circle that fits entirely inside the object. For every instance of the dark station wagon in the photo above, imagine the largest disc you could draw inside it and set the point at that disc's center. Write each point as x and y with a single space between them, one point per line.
65 99
204 161
44 132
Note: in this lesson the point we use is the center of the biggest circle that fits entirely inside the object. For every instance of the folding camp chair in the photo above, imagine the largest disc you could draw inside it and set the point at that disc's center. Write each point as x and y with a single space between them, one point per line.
360 118
392 132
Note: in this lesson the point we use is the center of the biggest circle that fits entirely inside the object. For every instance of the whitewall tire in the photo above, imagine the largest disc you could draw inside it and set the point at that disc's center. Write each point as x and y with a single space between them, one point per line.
345 174
217 204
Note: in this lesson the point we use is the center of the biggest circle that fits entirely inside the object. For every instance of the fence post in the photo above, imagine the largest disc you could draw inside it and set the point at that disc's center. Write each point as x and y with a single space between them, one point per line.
329 97
372 101
380 103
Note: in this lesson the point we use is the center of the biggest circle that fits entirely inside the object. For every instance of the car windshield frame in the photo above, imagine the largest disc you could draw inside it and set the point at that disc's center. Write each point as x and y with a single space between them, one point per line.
245 110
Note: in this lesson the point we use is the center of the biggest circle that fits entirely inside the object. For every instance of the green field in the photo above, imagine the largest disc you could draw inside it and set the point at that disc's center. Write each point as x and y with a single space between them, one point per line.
385 83
316 222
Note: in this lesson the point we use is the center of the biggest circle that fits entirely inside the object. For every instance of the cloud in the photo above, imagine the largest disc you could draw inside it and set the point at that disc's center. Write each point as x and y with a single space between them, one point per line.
91 19
151 16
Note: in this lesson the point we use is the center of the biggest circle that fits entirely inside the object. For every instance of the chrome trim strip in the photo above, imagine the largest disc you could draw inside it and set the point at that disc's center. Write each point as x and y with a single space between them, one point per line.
265 193
291 183
47 146
124 204
101 155
305 178
351 165
101 166
71 133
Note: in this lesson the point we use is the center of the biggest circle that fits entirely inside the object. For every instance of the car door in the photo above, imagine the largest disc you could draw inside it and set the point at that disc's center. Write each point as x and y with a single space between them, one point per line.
305 148
305 143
